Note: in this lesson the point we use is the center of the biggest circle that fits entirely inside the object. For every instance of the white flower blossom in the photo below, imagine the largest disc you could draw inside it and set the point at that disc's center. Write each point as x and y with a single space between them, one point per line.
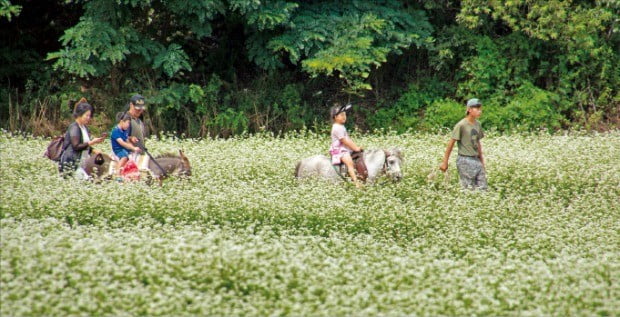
244 237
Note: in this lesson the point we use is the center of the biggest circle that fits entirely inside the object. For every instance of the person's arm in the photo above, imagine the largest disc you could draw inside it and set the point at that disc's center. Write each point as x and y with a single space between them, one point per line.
444 165
127 145
75 135
350 144
480 153
95 140
76 145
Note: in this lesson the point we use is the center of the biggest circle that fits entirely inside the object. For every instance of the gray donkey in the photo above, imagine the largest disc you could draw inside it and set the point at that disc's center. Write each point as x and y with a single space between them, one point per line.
378 162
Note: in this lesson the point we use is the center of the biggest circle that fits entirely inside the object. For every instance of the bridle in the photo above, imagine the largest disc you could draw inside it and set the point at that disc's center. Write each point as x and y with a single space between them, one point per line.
385 162
386 166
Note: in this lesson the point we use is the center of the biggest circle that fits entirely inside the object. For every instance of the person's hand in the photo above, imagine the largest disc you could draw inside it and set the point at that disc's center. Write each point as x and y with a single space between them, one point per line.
133 139
138 150
444 166
95 141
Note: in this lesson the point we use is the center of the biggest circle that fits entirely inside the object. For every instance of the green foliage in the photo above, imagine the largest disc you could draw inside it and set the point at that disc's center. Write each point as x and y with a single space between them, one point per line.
348 39
172 60
497 66
193 16
272 65
406 113
579 36
108 34
217 116
170 98
221 109
444 113
529 109
265 15
259 54
229 122
295 115
572 23
343 39
90 48
167 106
273 104
8 10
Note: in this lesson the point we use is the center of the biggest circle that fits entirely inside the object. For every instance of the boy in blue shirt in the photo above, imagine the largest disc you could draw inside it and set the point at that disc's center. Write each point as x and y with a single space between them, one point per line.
119 139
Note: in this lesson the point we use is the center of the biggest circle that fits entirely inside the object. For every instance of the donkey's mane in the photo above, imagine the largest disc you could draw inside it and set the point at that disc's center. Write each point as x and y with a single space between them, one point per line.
167 155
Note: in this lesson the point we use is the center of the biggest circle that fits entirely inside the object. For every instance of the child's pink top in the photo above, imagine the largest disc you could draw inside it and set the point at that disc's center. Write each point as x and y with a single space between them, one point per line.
337 149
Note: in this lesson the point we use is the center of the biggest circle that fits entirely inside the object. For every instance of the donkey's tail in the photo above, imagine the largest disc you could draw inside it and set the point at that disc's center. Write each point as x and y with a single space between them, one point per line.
297 169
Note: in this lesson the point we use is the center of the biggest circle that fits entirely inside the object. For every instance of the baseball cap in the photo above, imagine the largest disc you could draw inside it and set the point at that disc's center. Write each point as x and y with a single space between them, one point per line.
138 102
474 102
338 109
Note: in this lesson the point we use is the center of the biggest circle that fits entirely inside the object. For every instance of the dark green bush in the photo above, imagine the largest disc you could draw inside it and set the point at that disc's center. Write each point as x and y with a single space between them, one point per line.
531 108
406 112
444 113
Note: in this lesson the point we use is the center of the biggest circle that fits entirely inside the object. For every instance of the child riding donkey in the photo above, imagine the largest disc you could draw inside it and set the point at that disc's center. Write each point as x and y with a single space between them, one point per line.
342 145
121 146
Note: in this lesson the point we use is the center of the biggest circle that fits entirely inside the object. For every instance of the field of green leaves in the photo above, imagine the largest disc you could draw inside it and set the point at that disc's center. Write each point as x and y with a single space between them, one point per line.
243 237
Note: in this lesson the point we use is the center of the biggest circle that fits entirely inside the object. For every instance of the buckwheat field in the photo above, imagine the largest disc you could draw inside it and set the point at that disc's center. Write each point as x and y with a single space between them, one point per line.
244 237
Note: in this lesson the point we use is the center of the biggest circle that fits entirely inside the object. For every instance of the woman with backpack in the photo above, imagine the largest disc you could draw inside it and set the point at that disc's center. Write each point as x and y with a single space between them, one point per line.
78 144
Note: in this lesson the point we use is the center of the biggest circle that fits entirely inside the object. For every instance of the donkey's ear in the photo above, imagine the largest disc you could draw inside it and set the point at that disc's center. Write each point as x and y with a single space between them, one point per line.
99 159
398 152
181 153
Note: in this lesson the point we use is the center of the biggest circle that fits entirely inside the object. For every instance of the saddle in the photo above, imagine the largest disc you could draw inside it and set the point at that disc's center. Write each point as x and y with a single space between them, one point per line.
358 163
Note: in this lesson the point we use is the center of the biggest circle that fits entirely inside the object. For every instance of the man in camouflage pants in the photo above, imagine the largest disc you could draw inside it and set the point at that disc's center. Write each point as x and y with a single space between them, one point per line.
470 162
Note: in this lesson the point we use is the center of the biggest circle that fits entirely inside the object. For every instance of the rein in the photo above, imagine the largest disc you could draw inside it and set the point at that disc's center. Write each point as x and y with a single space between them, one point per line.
143 148
384 170
387 154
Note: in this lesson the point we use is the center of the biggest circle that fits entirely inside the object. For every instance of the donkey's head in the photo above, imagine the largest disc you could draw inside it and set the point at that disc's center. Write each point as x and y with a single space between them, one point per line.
98 166
170 164
185 168
393 161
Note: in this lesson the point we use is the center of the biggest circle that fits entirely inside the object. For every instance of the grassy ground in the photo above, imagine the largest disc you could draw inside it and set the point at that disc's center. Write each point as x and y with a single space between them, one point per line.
244 238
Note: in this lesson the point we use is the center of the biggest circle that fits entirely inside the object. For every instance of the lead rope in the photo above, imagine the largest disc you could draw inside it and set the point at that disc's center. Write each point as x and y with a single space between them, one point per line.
143 148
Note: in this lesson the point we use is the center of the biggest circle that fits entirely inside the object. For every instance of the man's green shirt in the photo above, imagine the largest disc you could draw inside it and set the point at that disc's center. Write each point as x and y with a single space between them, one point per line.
468 135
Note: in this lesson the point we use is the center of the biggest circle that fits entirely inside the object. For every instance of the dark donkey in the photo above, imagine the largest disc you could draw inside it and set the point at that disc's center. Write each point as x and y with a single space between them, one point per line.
169 164
98 167
101 166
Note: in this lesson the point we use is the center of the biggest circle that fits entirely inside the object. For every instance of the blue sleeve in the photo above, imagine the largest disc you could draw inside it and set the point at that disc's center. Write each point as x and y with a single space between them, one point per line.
116 133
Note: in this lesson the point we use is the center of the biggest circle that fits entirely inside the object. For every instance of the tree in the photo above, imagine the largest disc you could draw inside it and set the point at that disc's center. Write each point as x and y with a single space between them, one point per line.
344 39
581 40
